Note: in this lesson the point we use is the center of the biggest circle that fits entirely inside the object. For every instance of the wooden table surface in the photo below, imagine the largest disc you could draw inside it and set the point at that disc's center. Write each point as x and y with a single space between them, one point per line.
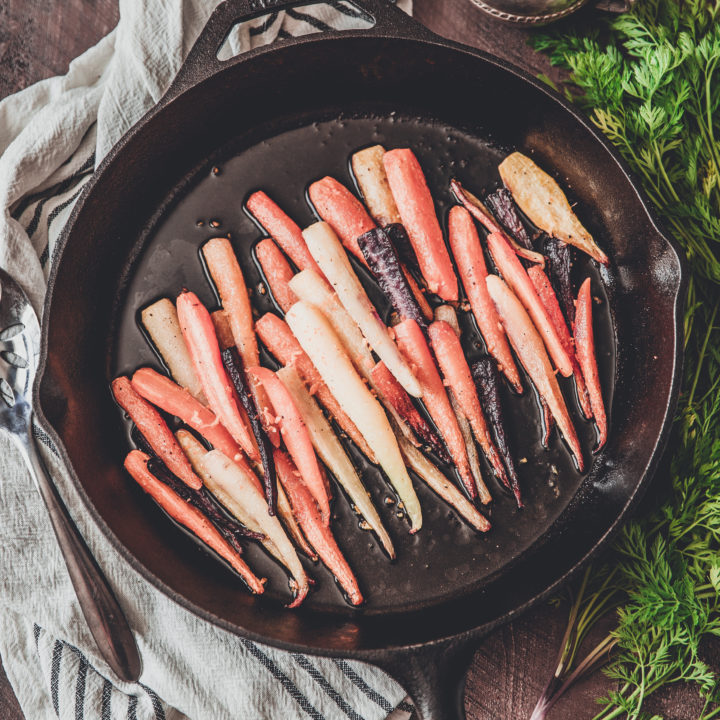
38 38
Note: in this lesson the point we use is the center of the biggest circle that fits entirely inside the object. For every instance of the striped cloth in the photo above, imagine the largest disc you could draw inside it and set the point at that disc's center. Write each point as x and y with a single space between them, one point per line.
52 136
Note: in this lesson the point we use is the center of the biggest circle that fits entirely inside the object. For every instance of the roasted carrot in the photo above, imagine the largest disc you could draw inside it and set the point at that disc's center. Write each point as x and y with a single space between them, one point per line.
469 258
417 210
548 423
585 344
318 533
393 392
155 430
371 178
189 516
519 282
418 293
340 209
199 333
476 208
548 298
282 344
163 392
506 211
487 381
161 322
282 229
414 347
223 331
277 271
295 435
455 370
383 261
559 267
530 349
234 367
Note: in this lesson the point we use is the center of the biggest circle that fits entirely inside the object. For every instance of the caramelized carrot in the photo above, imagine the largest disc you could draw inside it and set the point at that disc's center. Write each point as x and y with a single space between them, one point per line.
417 210
223 331
189 516
199 333
340 209
277 271
519 282
549 299
283 230
413 346
316 530
295 435
155 430
393 392
163 392
530 349
280 341
548 423
585 344
470 261
455 370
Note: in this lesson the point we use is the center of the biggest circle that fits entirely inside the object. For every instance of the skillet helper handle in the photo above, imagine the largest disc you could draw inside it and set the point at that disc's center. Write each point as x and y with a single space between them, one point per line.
433 676
102 612
202 61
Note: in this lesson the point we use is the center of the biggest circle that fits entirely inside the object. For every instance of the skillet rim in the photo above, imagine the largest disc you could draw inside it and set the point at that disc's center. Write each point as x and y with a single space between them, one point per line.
421 36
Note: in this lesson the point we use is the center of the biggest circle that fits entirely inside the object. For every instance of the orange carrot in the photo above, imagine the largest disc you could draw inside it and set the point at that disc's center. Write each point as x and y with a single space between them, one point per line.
549 299
170 397
199 333
455 370
519 282
412 344
317 532
417 210
223 331
530 349
340 209
283 230
416 290
469 258
190 517
280 341
277 271
155 430
585 344
295 435
394 393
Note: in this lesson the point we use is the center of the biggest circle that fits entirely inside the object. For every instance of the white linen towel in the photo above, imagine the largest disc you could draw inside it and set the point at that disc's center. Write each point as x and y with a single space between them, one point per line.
52 136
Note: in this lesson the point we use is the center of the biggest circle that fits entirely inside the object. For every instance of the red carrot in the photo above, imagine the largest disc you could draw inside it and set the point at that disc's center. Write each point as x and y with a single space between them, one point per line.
340 209
175 400
189 516
155 430
283 230
279 340
455 370
199 333
549 299
308 515
417 211
412 344
585 344
469 258
296 436
277 271
395 394
519 282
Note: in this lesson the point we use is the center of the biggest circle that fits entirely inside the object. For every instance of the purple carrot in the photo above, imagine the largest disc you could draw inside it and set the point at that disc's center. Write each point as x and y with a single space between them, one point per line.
383 261
200 499
506 211
401 242
236 372
559 263
487 381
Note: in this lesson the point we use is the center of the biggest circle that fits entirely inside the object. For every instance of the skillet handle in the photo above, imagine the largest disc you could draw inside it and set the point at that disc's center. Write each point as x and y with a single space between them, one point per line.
202 61
433 676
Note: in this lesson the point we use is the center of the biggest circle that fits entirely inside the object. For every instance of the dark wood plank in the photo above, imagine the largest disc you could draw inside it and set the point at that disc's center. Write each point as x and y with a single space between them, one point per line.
38 38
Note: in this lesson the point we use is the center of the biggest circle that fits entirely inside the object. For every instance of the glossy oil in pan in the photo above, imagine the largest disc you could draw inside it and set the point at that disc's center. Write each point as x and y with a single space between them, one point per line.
159 173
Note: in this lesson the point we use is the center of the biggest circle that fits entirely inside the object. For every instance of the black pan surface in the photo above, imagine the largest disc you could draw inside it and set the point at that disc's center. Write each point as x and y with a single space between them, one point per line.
279 118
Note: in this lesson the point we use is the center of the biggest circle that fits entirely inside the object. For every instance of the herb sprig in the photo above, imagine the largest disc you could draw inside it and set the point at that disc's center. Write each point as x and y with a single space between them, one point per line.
650 80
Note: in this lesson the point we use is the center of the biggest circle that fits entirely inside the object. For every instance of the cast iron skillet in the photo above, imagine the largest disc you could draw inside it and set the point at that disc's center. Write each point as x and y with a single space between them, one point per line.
279 117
